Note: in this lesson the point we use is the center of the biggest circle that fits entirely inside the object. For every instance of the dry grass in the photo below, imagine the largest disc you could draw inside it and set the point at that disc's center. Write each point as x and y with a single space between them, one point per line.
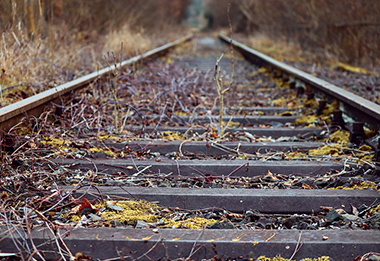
348 30
46 43
281 49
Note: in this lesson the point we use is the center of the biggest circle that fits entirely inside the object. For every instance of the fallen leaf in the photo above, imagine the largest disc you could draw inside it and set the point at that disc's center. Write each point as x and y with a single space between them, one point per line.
305 186
326 208
84 205
355 211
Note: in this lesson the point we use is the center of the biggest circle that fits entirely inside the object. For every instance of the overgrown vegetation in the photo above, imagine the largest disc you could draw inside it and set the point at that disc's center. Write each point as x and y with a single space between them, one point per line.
45 43
348 30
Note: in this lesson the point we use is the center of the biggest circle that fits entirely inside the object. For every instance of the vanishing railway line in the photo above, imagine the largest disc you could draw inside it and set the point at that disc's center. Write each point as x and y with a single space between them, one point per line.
290 170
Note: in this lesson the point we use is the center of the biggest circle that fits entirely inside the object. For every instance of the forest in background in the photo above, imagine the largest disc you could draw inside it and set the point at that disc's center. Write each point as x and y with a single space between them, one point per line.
346 29
49 42
349 30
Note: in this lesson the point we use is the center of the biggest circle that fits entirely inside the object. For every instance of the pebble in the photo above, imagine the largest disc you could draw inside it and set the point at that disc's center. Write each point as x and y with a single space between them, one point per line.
93 216
333 215
116 208
222 225
350 217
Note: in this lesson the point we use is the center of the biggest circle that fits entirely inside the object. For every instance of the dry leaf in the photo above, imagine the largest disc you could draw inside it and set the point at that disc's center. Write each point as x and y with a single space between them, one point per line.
305 186
355 211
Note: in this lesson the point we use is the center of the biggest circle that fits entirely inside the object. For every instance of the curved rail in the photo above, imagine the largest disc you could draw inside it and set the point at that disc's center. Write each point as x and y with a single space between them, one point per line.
11 114
351 104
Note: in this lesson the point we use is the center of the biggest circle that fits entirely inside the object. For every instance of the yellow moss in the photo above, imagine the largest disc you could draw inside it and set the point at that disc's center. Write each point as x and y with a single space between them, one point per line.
108 152
310 103
264 90
181 113
350 68
325 150
295 155
191 223
23 131
167 59
171 135
364 156
109 137
58 143
281 84
280 101
75 218
325 118
375 209
369 133
279 258
132 211
231 123
362 185
261 70
340 136
330 108
55 142
306 119
286 113
365 148
258 113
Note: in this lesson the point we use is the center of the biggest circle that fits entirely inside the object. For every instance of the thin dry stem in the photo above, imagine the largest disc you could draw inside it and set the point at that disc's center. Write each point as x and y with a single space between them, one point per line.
218 78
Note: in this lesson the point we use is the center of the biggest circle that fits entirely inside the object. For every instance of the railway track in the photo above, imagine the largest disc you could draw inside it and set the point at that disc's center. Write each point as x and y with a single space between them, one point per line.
136 163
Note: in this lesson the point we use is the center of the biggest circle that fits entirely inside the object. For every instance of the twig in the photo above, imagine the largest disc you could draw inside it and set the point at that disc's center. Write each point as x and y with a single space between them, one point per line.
370 253
150 250
218 78
140 171
231 46
195 243
298 246
235 170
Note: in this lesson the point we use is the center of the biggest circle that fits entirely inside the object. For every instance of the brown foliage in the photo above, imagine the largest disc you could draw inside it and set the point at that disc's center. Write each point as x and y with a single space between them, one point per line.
349 29
99 15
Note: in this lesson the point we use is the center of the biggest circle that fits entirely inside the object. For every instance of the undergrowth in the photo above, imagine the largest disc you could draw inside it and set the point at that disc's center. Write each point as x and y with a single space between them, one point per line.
45 44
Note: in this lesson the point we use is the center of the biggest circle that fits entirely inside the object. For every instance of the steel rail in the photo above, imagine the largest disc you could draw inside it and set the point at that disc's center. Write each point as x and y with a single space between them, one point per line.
351 104
11 114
